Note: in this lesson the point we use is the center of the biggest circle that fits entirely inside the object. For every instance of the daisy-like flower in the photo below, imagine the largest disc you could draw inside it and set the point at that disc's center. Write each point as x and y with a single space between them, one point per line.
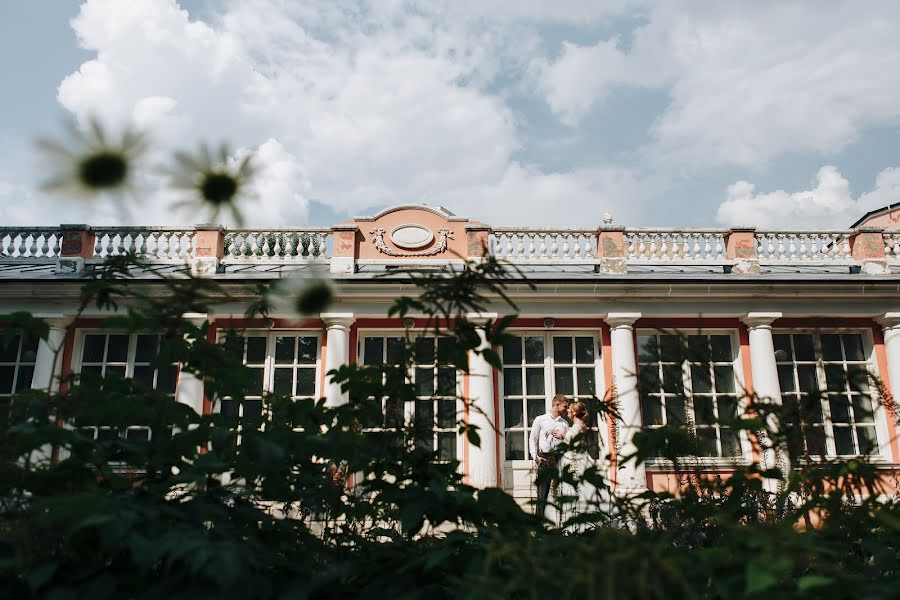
93 163
213 182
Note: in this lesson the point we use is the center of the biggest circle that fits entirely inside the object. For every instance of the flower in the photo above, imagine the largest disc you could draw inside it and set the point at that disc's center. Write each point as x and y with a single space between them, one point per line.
214 182
93 163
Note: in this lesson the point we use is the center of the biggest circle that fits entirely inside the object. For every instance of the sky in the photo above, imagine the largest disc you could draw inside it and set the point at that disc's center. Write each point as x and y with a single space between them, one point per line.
511 112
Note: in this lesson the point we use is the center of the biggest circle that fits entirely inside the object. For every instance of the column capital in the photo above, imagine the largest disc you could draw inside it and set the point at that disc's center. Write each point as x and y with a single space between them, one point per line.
481 317
760 319
55 320
337 320
889 320
621 319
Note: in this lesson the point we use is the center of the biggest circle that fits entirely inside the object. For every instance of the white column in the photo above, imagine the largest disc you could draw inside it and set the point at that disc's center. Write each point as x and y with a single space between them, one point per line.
337 353
631 478
764 369
890 322
190 387
482 459
48 361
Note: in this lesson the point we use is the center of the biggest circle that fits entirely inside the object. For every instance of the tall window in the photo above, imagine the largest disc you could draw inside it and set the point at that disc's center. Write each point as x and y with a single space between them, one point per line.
689 380
824 381
16 370
128 356
283 363
537 366
434 415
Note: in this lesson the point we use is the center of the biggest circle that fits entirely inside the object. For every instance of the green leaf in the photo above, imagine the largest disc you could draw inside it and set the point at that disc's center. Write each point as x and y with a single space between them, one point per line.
759 578
811 581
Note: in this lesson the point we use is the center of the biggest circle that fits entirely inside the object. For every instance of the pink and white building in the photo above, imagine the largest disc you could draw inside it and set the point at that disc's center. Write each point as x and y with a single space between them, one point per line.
776 313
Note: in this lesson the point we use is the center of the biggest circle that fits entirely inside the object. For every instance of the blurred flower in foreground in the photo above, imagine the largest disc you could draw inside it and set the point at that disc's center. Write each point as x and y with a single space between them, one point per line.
214 182
304 293
93 163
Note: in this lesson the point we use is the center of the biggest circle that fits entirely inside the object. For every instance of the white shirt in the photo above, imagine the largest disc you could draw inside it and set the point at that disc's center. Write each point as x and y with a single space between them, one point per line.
541 438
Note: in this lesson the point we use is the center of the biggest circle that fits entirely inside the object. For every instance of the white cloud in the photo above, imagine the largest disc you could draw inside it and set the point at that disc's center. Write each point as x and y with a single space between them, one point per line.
746 82
828 204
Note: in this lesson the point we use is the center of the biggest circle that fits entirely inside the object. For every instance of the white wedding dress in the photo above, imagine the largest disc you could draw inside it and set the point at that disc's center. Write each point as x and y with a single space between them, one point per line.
586 497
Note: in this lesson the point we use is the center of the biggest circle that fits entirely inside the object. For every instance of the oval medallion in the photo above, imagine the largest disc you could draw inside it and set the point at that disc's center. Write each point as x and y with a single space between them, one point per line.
411 236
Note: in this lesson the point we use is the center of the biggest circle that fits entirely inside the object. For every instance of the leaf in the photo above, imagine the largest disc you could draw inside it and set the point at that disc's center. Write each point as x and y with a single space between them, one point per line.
40 575
759 578
811 581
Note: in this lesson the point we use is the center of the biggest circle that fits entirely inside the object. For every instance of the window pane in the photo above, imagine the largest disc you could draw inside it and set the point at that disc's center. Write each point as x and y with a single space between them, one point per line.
117 349
586 384
229 408
512 413
255 382
721 348
446 381
806 374
853 346
831 346
256 349
803 347
393 413
706 439
862 409
671 348
727 408
811 409
651 407
396 348
167 379
534 381
673 382
306 382
252 411
858 378
144 374
146 348
137 434
786 378
584 350
446 417
515 446
373 349
7 378
698 348
512 351
10 353
425 350
565 380
234 345
843 441
815 441
562 350
731 442
675 410
648 350
703 410
446 350
307 348
724 379
649 379
284 350
93 348
700 379
868 444
425 382
283 381
115 371
840 409
534 350
782 347
536 407
29 349
834 378
424 417
447 446
23 380
512 382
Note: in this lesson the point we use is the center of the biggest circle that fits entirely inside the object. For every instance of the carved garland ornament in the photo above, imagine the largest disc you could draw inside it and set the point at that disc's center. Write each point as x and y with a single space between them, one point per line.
378 240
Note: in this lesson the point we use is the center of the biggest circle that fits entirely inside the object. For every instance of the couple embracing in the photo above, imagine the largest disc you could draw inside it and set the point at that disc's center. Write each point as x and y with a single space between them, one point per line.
562 424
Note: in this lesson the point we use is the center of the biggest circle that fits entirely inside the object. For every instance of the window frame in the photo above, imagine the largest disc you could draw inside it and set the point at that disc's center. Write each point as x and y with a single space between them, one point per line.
17 365
549 364
739 392
879 416
408 409
77 360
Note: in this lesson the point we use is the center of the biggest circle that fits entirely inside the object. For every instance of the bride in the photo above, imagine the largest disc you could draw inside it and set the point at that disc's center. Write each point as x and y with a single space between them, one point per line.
584 498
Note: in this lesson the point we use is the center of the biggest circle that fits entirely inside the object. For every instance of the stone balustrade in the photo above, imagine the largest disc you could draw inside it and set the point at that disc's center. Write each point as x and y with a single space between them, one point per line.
275 245
30 242
349 246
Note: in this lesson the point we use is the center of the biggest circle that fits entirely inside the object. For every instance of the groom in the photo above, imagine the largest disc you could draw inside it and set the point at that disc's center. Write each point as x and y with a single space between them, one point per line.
542 447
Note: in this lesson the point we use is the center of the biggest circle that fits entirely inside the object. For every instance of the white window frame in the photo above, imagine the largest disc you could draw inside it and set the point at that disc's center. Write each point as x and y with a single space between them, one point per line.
600 387
408 409
879 414
18 365
269 364
740 392
129 364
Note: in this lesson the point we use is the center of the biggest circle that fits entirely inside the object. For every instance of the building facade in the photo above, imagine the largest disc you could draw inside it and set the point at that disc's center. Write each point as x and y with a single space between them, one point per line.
605 313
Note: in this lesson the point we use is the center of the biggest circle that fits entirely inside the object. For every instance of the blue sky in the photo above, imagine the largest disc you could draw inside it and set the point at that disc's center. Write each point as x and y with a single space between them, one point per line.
526 112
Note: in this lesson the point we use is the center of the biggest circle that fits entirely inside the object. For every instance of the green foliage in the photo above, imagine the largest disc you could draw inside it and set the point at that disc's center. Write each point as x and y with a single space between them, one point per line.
340 502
